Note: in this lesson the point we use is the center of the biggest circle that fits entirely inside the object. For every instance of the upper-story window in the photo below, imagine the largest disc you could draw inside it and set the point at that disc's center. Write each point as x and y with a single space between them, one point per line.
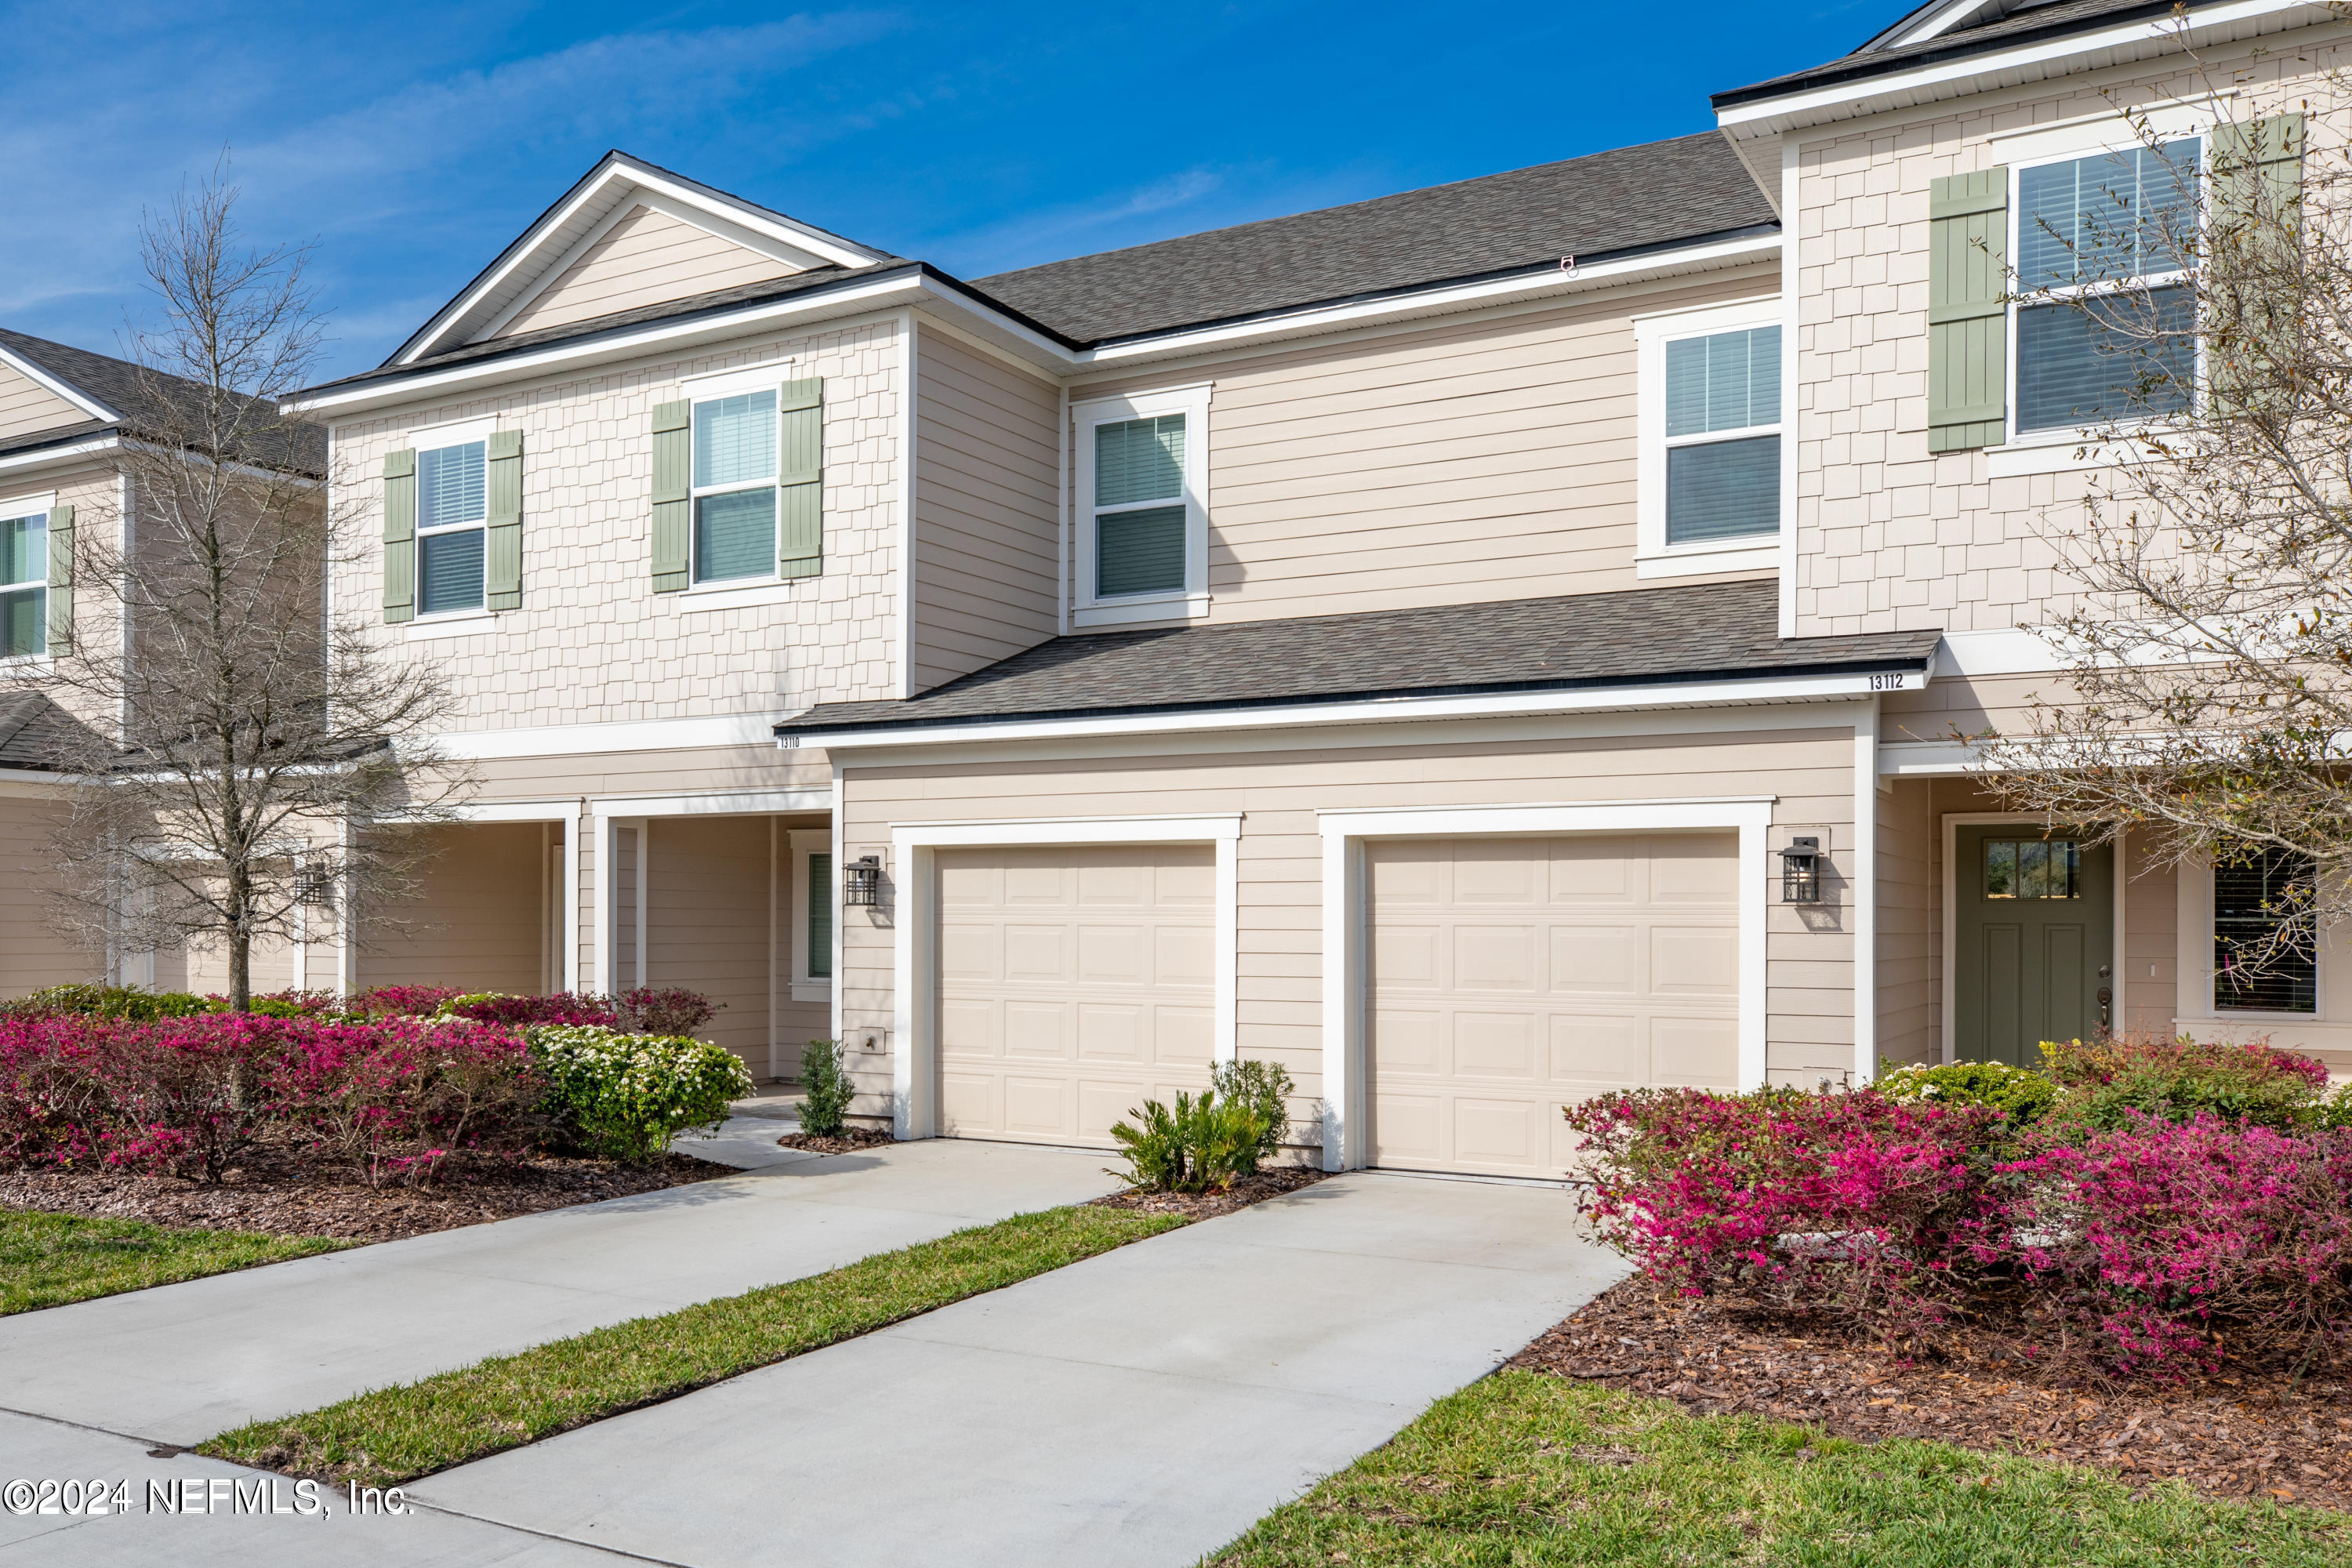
2099 244
452 506
735 486
1143 539
24 584
1710 488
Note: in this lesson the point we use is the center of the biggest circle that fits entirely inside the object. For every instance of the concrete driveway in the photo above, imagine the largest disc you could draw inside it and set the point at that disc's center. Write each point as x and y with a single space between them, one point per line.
183 1362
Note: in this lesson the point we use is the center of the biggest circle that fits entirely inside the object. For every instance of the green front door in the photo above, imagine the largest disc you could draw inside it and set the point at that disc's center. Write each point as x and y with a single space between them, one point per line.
2035 955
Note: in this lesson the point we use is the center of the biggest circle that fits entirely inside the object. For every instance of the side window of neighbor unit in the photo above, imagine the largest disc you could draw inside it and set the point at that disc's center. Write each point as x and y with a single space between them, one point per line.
452 501
2101 242
1723 436
24 584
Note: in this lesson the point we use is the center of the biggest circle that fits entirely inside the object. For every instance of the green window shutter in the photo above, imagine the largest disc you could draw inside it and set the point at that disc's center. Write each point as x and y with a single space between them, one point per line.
1967 310
502 531
2251 162
399 535
820 917
673 456
61 577
2257 177
800 479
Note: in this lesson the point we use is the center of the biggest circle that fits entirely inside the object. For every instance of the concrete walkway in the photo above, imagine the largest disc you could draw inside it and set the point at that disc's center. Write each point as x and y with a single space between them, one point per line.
183 1362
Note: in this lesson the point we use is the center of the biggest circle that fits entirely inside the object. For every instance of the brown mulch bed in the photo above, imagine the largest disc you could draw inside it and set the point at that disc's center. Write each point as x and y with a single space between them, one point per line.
1270 1182
2242 1437
280 1202
848 1141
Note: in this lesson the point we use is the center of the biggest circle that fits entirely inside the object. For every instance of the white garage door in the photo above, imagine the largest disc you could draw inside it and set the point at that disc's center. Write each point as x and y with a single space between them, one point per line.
1510 977
1074 984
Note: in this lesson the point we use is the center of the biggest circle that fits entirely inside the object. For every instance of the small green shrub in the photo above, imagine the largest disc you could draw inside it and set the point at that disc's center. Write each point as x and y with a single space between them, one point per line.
626 1096
2178 1080
126 1002
1265 1089
2022 1094
824 1079
1202 1142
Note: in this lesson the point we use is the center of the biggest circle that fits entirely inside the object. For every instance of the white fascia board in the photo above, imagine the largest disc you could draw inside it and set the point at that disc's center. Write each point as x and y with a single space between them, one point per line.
1950 79
1563 816
1928 759
624 172
1399 710
596 740
724 803
47 456
1318 318
65 389
1008 832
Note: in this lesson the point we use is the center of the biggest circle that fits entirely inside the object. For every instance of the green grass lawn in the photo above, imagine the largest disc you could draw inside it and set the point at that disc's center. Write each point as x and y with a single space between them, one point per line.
396 1435
1525 1469
50 1259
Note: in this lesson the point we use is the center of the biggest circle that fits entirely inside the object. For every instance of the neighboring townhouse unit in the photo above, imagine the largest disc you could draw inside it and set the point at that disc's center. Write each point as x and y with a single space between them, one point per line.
1477 647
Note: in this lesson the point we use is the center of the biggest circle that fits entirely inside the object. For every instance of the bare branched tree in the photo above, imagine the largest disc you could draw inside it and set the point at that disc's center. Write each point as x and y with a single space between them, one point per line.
249 761
2210 647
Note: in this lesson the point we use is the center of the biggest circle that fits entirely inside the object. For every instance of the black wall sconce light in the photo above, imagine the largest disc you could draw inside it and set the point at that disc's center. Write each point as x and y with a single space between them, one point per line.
861 882
1800 870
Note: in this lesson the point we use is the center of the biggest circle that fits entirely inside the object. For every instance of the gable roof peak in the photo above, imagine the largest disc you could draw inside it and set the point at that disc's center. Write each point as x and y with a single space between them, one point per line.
618 183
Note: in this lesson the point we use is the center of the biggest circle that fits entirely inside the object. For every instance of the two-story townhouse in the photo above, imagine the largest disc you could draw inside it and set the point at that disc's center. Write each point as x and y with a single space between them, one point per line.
67 416
1475 647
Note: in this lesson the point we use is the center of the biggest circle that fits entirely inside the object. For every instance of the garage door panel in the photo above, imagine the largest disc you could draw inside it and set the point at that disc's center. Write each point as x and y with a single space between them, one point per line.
1499 1045
1074 983
1589 958
1497 958
1624 973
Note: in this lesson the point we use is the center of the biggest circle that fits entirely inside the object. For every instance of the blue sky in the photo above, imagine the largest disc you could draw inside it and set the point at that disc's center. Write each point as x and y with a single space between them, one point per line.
413 142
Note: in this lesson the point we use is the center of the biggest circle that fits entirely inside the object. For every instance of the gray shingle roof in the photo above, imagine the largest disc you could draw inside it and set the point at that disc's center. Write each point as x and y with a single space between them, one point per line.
36 734
128 391
2021 25
1707 632
1660 194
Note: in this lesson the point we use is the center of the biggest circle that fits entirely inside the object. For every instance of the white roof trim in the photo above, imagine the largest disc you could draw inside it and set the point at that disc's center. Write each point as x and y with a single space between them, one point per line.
2026 62
934 298
1391 709
558 238
50 382
44 455
1951 18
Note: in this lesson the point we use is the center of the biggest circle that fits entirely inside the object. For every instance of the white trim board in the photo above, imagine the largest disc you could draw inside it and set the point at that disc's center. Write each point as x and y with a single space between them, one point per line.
50 382
598 739
1347 1143
914 1057
718 802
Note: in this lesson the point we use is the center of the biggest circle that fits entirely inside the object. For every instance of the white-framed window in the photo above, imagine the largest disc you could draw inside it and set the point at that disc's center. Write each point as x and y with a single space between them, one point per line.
1709 439
452 510
810 887
24 578
2265 941
2089 226
1143 518
734 493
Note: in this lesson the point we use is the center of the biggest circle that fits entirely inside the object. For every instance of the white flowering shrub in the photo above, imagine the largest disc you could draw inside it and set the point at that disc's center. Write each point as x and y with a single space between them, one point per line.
626 1096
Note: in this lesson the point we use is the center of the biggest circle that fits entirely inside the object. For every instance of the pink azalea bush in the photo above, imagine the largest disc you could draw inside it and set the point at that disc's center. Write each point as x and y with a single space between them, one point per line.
2170 1244
563 1009
1854 1204
193 1096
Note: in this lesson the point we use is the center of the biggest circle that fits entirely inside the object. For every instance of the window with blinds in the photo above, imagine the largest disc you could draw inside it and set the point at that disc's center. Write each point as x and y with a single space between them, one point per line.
734 492
1139 506
2265 938
818 959
1723 436
24 586
452 508
2103 238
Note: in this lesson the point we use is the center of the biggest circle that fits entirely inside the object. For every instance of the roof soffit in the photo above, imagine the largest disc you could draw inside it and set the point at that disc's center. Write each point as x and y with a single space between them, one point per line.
590 210
1937 78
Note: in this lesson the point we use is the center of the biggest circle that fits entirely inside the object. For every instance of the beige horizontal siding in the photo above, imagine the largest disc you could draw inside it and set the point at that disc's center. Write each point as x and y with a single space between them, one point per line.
32 955
1810 987
707 922
1910 925
1479 459
27 407
480 921
644 259
985 528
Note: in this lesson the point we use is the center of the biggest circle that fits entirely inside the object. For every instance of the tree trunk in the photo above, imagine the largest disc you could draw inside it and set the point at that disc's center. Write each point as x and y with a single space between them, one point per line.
240 969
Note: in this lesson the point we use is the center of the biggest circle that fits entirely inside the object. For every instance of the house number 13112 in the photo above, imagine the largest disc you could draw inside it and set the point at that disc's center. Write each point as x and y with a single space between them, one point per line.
1887 682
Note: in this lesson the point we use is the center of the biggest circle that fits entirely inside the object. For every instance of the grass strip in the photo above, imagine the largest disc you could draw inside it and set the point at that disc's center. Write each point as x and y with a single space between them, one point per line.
1526 1469
50 1259
395 1434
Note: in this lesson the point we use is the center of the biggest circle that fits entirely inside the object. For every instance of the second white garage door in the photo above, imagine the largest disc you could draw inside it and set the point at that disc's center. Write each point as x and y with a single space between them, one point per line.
1509 977
1074 983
